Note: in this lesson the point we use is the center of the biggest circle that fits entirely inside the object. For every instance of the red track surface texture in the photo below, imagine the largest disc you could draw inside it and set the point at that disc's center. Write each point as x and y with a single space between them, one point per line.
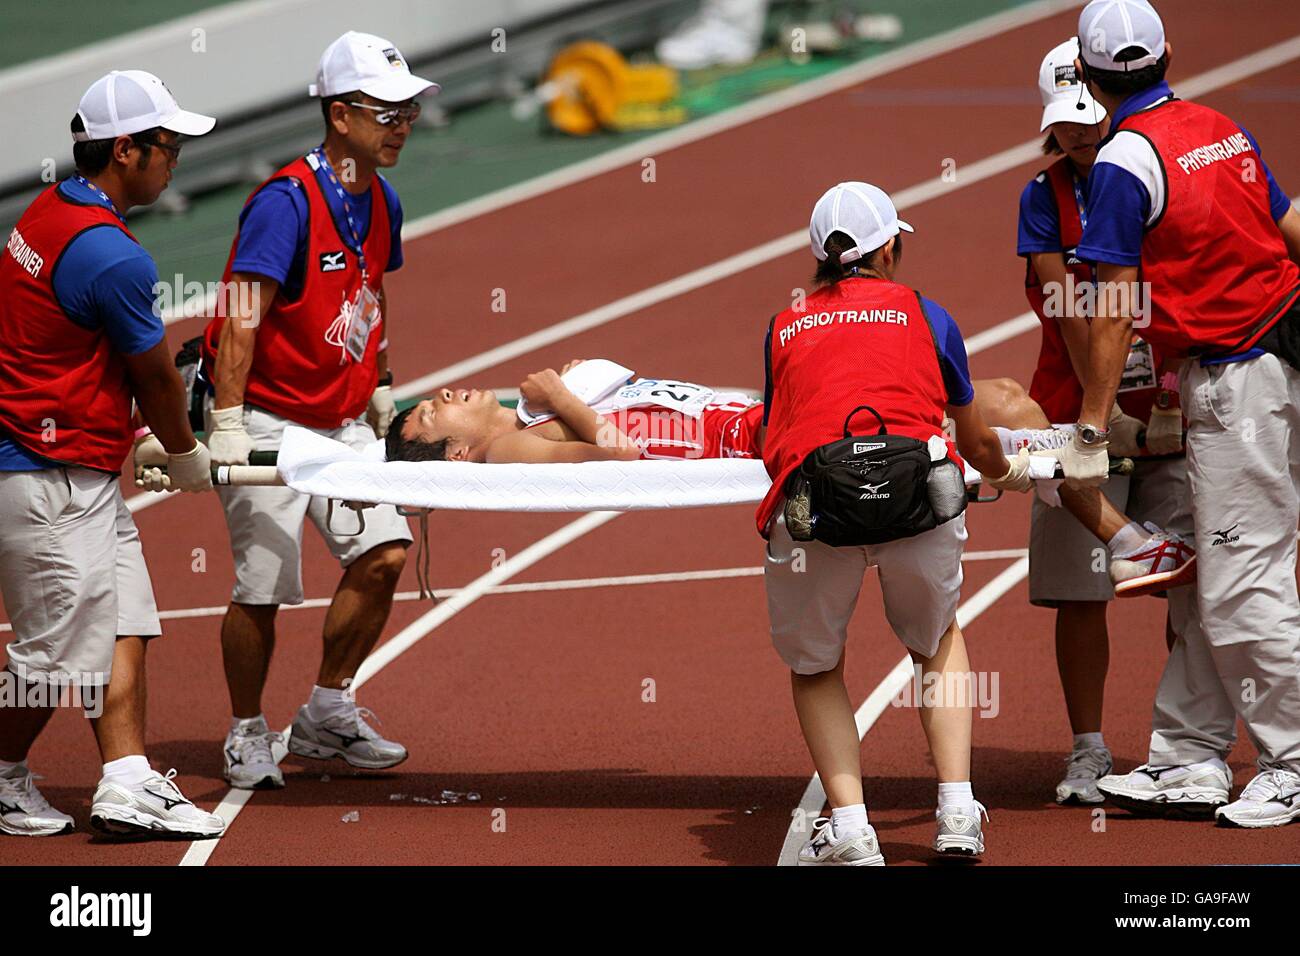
534 700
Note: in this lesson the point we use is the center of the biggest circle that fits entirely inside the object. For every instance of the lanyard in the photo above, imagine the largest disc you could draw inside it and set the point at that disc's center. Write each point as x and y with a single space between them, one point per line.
357 247
78 178
1078 199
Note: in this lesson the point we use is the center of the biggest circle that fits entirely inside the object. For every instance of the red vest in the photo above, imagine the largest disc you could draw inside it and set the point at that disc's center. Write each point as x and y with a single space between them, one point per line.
63 390
858 342
1055 386
298 372
1218 266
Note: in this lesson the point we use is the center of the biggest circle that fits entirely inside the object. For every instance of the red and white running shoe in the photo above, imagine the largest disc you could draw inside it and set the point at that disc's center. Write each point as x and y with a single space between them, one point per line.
1163 561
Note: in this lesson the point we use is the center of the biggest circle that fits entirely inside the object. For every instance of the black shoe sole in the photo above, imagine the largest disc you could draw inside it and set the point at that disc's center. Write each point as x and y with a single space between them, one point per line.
1163 810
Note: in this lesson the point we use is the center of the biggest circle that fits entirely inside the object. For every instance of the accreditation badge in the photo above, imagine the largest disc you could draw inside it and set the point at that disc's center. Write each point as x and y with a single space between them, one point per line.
1139 368
365 317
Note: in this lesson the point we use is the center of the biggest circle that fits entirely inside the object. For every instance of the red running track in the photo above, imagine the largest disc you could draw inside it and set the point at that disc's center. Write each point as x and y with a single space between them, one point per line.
534 700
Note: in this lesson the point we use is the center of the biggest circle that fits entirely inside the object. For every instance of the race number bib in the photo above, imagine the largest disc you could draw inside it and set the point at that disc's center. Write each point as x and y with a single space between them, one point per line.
364 318
685 397
1139 368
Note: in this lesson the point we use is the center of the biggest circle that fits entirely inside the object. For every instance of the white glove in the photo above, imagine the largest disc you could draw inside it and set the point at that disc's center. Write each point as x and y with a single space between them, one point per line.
381 411
191 471
149 458
1165 431
1017 476
1123 439
1087 465
228 441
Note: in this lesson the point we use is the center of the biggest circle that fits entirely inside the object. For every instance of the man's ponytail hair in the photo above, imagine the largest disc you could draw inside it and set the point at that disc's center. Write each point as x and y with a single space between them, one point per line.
830 270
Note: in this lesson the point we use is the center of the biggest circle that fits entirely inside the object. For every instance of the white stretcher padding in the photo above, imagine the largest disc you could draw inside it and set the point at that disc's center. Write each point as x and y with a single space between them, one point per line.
316 465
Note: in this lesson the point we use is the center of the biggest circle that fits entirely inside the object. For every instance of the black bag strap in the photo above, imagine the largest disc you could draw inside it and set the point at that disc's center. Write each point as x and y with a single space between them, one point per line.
872 411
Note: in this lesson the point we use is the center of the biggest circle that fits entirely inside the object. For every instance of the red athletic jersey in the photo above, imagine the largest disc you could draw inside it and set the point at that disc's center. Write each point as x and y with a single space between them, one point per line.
1219 269
853 343
1055 386
302 369
725 430
63 389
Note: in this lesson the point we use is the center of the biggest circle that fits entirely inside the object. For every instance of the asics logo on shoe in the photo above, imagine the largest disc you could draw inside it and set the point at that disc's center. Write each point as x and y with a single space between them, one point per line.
233 757
1226 536
9 808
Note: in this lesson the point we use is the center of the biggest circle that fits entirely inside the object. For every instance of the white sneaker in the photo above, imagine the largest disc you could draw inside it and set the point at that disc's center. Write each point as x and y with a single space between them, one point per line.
153 806
1272 799
250 762
1165 560
25 812
1192 792
709 40
959 829
861 849
1083 769
345 735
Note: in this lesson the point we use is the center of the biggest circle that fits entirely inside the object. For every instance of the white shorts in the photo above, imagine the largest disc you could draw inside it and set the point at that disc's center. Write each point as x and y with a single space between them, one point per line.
1068 563
72 573
812 589
266 523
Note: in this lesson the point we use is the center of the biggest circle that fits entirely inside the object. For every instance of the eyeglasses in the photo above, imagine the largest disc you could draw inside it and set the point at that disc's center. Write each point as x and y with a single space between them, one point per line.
173 149
391 115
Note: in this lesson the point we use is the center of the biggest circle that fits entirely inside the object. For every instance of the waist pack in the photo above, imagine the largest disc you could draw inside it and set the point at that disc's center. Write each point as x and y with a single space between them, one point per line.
1283 339
870 489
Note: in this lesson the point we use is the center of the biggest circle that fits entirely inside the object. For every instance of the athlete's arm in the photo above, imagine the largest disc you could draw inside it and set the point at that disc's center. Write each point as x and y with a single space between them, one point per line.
1290 226
525 446
544 391
1050 268
248 298
1108 340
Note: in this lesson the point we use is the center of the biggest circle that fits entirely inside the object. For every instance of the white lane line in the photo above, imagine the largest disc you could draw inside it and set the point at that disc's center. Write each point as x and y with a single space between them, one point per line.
200 850
814 795
978 171
559 584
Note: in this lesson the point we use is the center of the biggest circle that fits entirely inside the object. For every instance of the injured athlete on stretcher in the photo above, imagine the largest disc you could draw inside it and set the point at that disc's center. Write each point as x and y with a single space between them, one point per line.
626 419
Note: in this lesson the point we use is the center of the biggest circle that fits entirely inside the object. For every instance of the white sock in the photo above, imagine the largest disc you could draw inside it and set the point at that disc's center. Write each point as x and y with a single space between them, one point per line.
128 771
328 701
249 726
1091 741
956 794
8 769
1127 539
849 821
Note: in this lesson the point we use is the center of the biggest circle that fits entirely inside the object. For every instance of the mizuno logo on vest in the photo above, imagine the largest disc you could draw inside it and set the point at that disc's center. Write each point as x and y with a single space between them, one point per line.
333 261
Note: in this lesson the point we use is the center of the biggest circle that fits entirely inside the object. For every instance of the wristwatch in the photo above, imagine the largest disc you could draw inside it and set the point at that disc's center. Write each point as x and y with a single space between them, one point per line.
1166 399
386 378
1091 434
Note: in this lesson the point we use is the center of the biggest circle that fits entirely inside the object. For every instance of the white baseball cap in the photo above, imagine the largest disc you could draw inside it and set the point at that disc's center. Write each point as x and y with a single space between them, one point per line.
362 61
863 212
1065 98
1108 26
132 101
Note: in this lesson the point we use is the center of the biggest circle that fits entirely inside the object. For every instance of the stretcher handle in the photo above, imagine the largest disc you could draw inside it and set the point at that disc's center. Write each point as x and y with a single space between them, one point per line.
1118 466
